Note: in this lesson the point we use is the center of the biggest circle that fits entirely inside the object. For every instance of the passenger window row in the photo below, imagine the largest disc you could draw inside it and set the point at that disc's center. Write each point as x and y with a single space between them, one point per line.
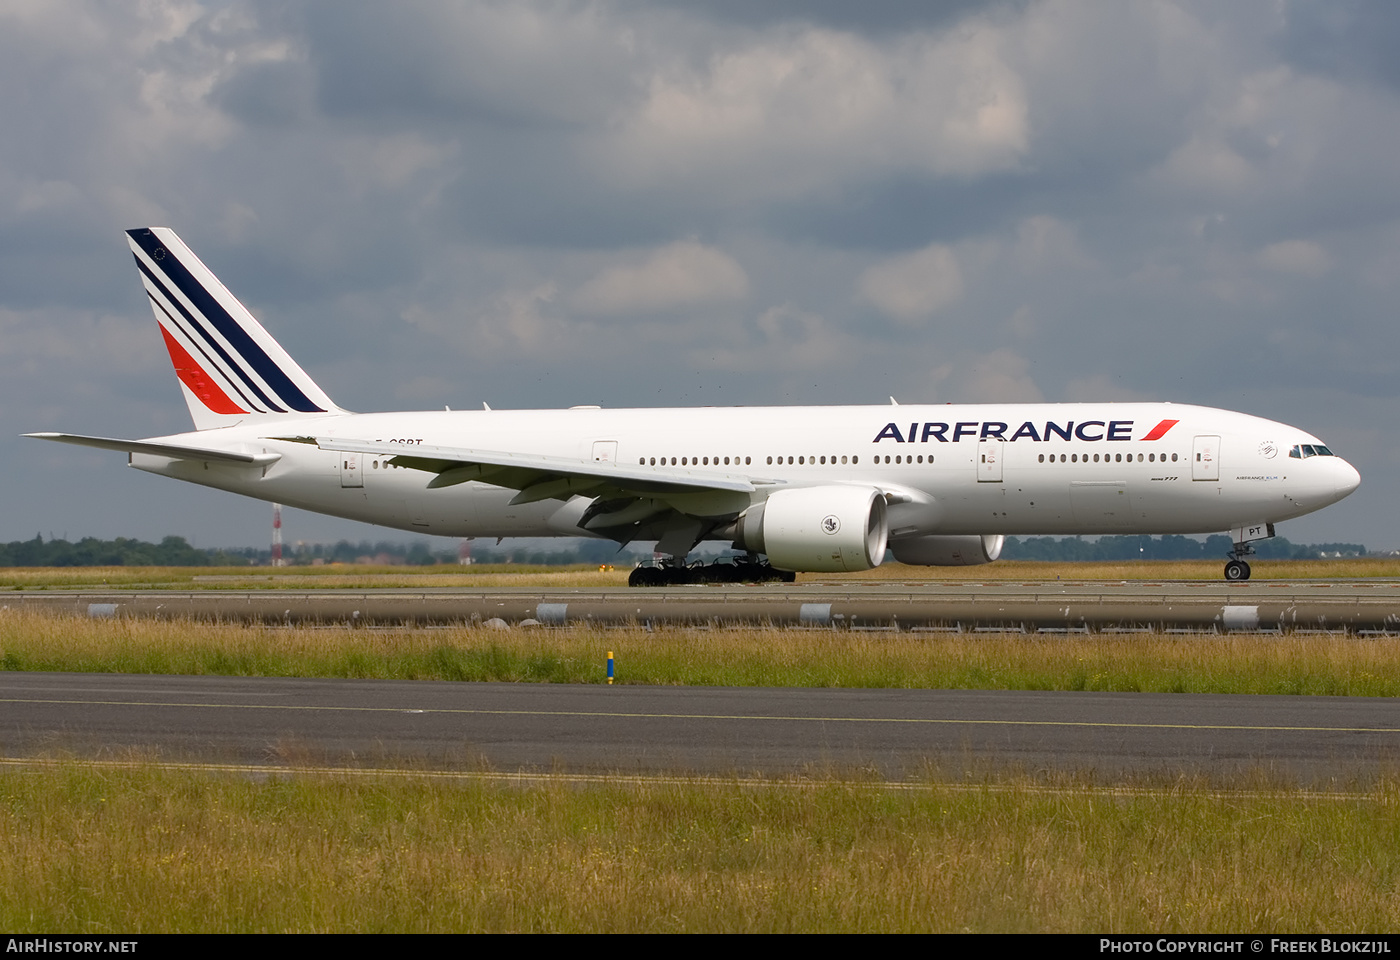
898 458
800 461
1109 458
1153 457
687 461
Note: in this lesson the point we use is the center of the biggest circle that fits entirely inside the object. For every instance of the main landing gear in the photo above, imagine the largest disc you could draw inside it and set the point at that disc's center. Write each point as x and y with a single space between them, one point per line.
668 573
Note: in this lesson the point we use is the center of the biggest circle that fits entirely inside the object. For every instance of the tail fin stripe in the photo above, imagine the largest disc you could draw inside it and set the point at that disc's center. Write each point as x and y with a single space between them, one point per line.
213 342
209 364
227 326
193 375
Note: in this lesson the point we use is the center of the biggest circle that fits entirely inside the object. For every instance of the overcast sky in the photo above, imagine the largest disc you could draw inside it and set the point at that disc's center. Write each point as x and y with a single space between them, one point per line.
639 204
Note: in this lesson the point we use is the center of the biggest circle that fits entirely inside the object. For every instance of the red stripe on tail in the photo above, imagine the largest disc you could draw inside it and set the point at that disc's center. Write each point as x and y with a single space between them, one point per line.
192 375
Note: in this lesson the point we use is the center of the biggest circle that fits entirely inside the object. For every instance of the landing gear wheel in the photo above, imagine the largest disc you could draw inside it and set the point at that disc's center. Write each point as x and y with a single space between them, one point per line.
737 571
647 577
1236 570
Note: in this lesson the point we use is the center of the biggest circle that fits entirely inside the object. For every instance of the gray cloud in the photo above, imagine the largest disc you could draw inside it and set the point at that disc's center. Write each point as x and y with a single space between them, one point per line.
495 64
1352 39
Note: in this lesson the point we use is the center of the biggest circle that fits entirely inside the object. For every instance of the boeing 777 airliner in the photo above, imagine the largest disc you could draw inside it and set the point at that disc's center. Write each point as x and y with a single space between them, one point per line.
811 488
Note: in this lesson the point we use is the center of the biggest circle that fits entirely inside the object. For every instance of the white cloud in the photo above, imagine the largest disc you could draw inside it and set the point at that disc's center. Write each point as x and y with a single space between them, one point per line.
390 162
1207 163
1270 131
785 339
1001 376
1099 387
515 322
1047 243
45 197
1299 257
792 111
85 341
678 275
238 221
520 314
916 286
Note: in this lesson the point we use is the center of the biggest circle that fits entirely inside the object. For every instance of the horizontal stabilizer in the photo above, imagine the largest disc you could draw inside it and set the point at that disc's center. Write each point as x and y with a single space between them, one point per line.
173 450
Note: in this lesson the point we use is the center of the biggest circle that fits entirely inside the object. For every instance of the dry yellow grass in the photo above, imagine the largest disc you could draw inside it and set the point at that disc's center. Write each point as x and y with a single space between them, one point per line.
729 656
358 577
148 850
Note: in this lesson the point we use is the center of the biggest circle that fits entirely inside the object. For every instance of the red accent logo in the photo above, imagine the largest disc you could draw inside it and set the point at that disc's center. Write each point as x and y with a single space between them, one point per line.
1156 432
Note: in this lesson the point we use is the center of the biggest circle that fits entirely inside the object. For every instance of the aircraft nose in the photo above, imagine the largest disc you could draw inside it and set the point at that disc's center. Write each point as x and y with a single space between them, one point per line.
1348 478
1324 480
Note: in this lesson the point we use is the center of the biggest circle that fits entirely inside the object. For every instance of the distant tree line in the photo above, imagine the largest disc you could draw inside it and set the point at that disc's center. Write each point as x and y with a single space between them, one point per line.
422 554
121 552
177 552
593 552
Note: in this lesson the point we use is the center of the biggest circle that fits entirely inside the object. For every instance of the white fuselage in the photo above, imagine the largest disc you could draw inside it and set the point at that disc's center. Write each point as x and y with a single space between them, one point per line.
965 469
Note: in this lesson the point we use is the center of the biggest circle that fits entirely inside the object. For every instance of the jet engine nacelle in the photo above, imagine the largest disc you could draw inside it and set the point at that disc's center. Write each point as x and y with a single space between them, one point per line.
829 529
948 551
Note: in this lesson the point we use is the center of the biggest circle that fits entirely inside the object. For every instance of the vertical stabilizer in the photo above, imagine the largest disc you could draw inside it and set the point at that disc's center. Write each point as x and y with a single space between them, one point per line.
230 369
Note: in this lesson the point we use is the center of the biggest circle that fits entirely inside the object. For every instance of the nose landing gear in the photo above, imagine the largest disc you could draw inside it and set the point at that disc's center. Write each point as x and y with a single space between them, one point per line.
1238 567
1237 570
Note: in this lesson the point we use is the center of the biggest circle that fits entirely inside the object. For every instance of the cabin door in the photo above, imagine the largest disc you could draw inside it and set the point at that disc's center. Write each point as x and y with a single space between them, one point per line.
1205 458
350 470
989 456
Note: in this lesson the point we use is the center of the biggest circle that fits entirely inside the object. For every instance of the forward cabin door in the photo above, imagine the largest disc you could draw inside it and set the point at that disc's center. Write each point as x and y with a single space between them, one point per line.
1205 458
989 457
604 451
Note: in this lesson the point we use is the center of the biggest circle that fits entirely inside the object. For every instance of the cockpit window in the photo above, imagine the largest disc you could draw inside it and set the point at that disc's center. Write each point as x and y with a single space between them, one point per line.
1305 450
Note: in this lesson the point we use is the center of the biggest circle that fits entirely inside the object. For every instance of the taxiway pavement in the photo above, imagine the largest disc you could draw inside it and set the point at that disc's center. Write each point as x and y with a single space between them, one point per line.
890 734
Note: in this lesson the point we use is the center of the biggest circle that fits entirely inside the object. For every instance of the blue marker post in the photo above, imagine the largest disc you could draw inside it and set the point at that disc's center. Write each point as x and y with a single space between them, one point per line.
610 667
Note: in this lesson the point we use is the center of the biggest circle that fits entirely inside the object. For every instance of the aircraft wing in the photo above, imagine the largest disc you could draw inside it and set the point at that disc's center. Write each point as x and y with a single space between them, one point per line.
544 478
173 450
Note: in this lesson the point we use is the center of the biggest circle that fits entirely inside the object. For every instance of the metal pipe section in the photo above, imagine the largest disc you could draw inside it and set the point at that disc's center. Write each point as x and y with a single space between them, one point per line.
1052 611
